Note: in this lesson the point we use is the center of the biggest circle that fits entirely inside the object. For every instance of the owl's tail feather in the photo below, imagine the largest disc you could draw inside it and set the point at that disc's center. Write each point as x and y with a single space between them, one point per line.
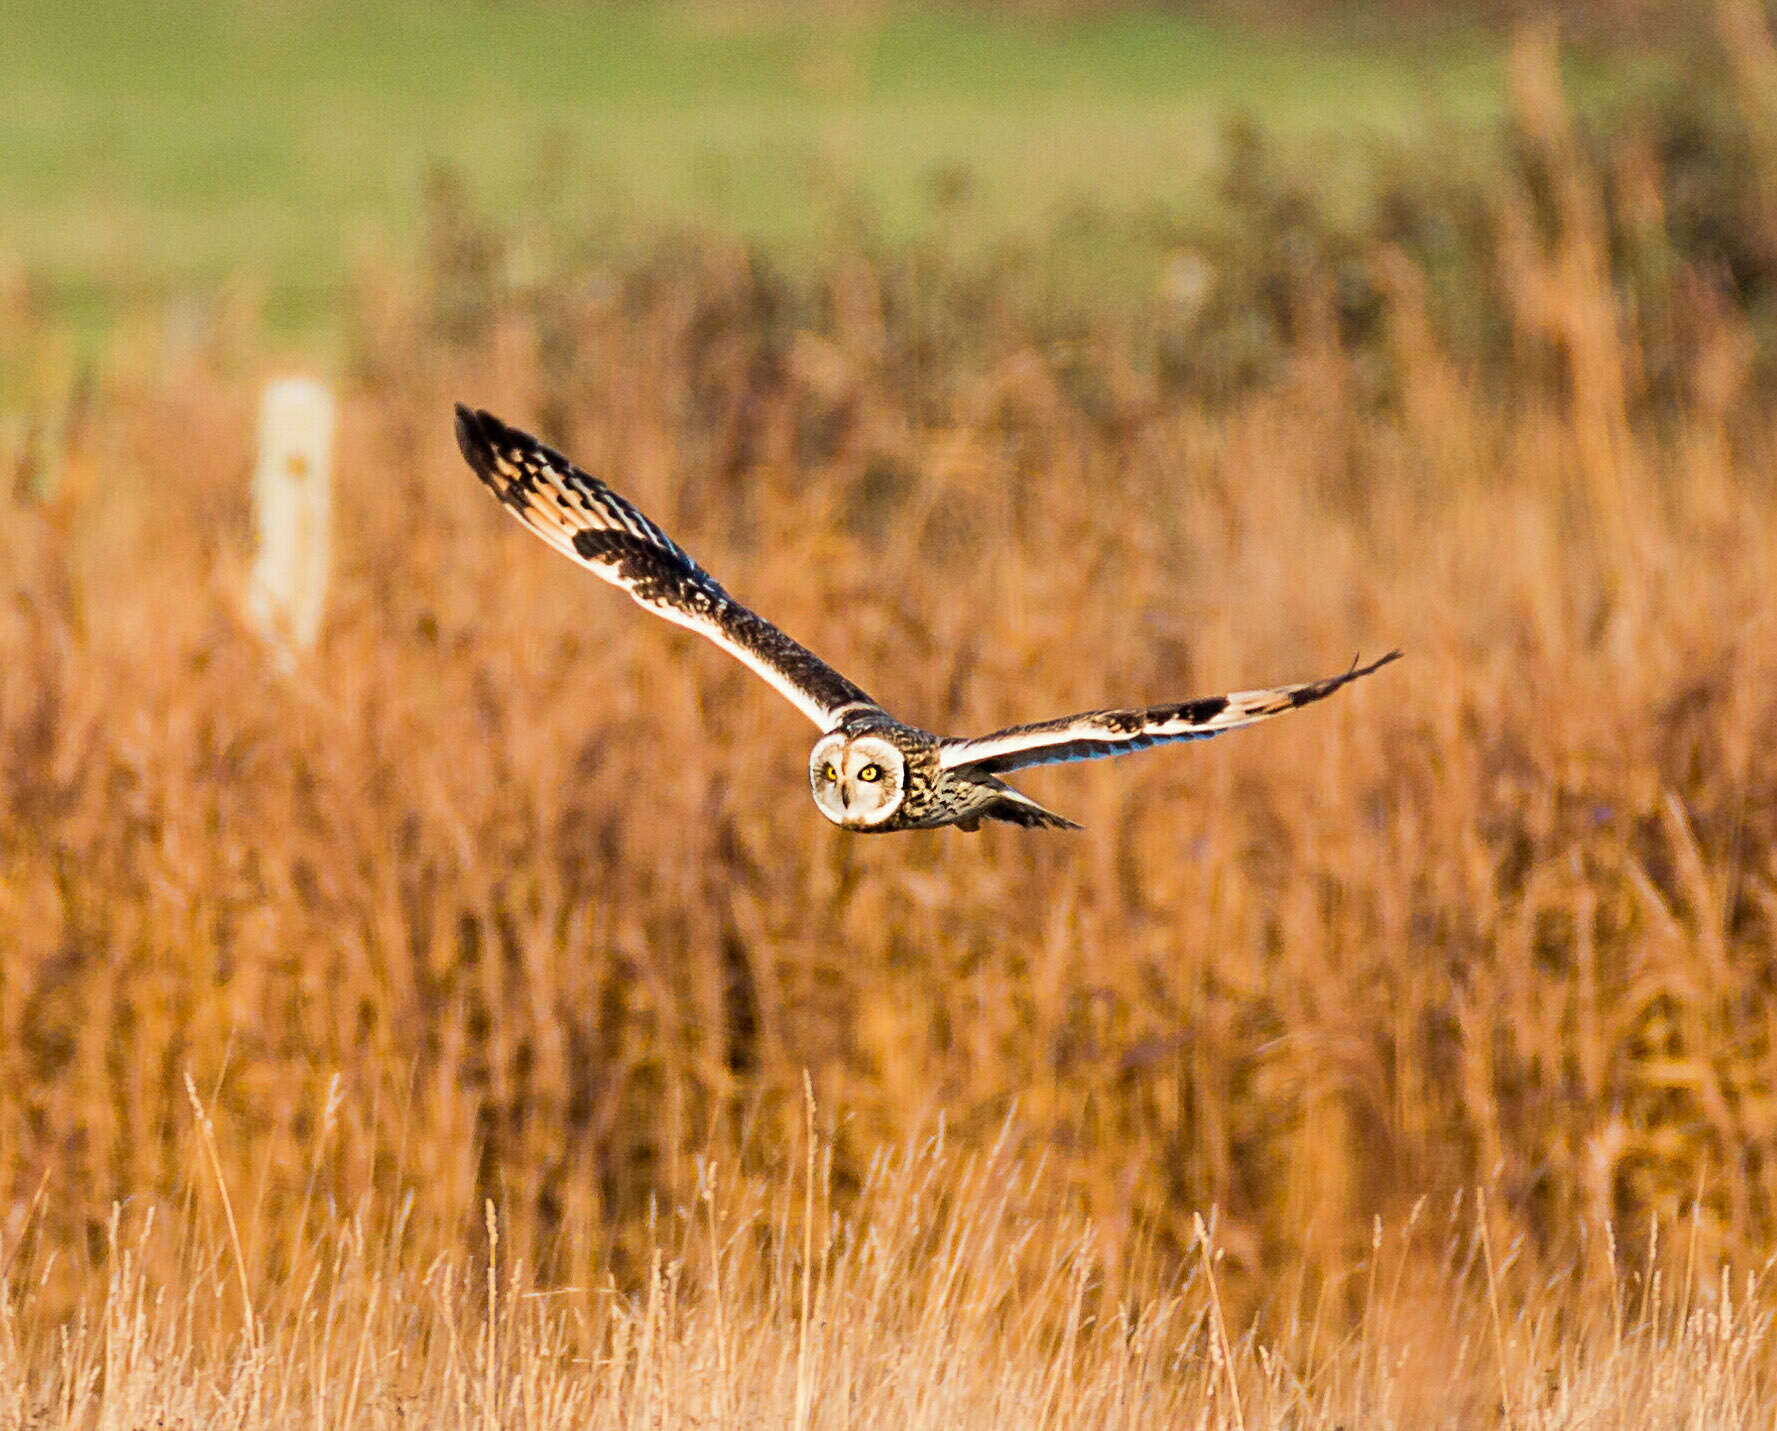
1016 809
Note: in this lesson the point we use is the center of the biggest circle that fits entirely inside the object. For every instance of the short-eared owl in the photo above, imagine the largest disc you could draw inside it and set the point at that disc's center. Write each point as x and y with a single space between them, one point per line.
868 770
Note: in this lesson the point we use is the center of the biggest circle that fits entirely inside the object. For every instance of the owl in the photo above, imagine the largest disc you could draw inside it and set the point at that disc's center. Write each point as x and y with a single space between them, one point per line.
869 772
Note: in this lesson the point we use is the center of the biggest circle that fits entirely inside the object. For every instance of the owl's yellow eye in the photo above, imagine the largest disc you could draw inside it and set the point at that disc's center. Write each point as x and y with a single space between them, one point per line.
828 773
872 773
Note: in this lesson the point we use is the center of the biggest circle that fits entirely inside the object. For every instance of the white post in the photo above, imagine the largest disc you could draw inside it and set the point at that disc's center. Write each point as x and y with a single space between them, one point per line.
292 496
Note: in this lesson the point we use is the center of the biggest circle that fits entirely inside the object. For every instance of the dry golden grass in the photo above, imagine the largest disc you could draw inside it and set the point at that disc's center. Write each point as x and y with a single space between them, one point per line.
954 1292
512 896
430 1035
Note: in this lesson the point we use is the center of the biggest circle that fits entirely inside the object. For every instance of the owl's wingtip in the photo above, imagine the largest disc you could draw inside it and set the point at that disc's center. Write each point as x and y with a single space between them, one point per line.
471 441
483 439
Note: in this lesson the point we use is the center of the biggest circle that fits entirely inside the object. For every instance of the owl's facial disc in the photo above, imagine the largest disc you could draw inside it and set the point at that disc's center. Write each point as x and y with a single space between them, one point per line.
858 781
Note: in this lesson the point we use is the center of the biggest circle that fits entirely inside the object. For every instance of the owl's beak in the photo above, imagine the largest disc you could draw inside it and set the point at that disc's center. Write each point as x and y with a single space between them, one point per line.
844 798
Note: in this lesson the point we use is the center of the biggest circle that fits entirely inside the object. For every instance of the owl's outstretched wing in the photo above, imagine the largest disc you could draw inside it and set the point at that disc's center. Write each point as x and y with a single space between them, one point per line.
1096 734
582 518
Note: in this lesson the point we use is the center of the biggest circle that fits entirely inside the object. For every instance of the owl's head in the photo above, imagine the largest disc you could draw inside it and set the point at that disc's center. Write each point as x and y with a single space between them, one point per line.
859 781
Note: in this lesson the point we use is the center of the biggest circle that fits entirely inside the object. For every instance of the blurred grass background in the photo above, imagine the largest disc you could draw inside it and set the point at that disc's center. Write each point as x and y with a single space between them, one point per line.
1016 379
149 149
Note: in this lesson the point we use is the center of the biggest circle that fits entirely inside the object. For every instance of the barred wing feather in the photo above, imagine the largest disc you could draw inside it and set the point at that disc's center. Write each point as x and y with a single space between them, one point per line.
1096 734
584 519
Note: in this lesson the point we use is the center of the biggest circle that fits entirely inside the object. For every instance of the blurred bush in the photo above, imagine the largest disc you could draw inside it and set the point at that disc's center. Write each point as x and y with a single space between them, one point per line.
1678 208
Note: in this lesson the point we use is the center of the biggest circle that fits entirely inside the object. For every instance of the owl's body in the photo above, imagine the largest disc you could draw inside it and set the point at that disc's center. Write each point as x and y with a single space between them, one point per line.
915 792
868 771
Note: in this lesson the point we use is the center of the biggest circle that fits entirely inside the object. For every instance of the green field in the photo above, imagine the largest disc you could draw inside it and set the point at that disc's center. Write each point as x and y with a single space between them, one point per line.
144 149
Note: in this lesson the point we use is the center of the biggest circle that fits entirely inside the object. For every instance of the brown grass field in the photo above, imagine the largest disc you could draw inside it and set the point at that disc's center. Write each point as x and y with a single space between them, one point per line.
477 1026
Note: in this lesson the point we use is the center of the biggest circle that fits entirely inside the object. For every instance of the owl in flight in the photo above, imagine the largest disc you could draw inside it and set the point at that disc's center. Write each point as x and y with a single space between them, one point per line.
869 772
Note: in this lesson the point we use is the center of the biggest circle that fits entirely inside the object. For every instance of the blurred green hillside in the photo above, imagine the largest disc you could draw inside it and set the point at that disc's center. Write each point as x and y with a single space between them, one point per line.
150 150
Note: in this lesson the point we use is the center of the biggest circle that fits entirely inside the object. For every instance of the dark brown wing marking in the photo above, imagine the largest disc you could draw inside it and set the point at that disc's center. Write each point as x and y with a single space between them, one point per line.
584 519
1096 734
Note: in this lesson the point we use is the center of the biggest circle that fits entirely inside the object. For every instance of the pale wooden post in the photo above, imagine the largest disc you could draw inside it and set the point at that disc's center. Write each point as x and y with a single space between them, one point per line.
292 511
